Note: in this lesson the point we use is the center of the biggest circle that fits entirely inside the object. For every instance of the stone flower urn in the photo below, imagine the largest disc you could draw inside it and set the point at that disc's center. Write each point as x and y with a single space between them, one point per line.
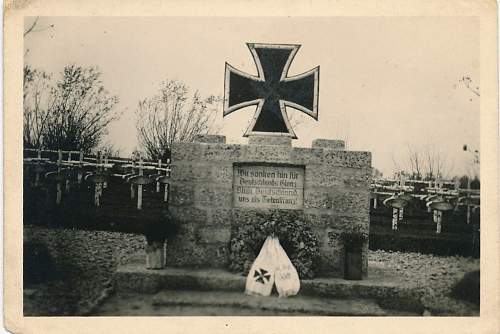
353 261
155 255
157 233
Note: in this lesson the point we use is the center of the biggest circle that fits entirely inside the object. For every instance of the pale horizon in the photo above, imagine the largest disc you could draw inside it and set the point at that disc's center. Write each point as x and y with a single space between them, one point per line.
385 83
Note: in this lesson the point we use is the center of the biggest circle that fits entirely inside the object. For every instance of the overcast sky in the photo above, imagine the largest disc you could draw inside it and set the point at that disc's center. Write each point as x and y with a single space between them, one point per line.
385 83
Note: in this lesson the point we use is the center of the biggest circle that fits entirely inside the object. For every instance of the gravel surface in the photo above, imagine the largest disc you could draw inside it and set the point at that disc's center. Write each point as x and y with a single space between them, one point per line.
432 275
88 259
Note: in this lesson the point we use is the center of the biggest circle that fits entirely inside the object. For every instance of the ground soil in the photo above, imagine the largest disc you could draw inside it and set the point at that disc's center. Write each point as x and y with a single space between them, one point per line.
84 284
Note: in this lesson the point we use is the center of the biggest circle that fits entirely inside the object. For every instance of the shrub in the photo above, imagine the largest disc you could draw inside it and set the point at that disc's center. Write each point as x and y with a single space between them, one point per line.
354 239
294 235
38 264
468 288
158 232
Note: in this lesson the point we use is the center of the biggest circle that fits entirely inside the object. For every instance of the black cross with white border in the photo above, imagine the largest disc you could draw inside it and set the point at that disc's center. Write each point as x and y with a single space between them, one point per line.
272 90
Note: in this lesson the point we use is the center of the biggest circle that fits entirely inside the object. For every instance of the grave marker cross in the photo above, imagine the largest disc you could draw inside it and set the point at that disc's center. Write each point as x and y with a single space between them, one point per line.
271 90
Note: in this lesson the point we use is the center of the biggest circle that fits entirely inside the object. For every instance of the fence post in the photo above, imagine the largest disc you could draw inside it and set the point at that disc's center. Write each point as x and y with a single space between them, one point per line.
37 174
132 192
80 172
167 185
105 184
394 219
468 199
58 183
157 182
139 186
439 217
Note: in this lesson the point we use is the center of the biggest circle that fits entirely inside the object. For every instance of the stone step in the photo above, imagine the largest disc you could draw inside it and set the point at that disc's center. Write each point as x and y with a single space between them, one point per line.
299 304
203 303
388 290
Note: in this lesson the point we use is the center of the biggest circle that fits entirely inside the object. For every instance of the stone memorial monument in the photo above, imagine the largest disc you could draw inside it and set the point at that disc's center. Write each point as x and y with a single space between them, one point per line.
216 186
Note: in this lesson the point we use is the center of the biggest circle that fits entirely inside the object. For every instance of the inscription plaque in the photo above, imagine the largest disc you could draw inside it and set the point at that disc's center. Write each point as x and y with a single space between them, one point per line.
268 187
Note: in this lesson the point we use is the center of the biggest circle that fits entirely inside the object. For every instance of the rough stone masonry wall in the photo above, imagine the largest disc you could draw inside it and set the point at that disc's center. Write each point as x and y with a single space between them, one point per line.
336 195
87 260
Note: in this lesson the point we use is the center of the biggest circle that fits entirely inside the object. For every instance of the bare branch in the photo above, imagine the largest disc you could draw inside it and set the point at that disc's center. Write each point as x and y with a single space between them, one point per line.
423 162
30 29
174 115
72 113
467 82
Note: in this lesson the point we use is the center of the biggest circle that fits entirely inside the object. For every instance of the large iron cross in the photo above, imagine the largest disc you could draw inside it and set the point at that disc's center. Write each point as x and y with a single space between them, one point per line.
272 90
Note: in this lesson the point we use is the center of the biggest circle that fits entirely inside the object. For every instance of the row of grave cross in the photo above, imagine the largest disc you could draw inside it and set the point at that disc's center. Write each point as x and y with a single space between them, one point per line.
66 170
437 198
137 178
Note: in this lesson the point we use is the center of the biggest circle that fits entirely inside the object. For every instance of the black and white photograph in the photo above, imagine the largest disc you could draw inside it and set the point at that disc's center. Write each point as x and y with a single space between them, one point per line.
264 166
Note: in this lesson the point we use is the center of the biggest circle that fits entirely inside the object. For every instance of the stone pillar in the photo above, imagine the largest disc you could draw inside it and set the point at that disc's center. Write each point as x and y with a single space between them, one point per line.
210 139
329 144
270 140
200 199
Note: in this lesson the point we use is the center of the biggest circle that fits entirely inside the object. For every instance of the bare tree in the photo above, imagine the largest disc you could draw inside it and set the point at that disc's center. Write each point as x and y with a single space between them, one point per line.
376 174
396 162
437 164
72 114
473 163
174 115
108 149
410 162
423 162
415 160
37 103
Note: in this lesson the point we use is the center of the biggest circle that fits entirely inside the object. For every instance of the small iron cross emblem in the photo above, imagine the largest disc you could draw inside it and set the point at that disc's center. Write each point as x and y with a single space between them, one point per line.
272 90
261 276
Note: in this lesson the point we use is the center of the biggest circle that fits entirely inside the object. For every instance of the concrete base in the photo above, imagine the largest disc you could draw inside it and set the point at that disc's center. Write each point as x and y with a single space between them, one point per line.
334 196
